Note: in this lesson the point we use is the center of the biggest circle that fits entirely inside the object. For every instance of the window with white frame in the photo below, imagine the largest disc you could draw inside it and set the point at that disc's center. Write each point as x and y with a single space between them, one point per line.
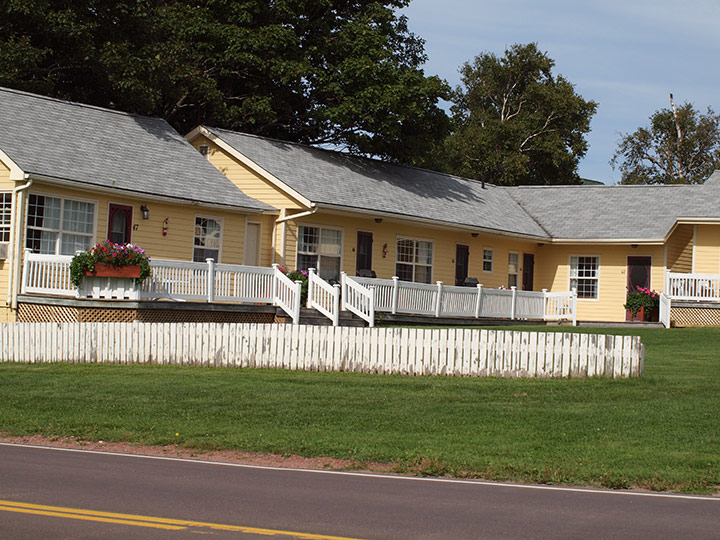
513 269
58 226
487 260
5 215
584 276
207 239
320 248
413 260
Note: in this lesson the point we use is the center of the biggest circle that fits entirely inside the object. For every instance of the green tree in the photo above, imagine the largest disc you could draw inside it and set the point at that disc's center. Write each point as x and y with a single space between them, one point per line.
337 72
681 146
514 122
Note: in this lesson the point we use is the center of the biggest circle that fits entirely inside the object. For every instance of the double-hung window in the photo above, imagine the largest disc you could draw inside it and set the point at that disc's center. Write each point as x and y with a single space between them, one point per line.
207 239
5 215
584 273
320 248
414 260
58 226
513 269
487 260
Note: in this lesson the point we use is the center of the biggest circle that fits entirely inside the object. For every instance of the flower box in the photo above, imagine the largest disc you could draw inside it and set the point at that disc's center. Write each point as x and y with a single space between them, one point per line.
106 270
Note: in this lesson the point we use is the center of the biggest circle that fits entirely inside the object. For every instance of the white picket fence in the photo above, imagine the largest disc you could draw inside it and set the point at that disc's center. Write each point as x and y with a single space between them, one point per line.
411 351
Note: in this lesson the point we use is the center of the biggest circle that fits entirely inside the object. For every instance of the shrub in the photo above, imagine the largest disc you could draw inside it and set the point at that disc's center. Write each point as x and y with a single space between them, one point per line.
642 297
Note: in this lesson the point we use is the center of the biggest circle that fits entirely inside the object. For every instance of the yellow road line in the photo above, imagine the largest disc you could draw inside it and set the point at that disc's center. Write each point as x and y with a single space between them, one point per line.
147 521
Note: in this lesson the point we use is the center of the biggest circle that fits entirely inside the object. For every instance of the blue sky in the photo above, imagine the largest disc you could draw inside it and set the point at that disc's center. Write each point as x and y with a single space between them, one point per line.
627 56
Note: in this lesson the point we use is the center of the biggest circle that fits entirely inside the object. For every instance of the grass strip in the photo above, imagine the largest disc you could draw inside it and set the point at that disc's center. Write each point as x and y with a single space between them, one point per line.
660 432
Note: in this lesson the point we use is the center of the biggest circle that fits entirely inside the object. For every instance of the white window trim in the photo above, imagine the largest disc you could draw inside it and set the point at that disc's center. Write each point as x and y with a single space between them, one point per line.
597 278
417 239
259 247
221 221
62 197
492 260
518 269
9 224
320 226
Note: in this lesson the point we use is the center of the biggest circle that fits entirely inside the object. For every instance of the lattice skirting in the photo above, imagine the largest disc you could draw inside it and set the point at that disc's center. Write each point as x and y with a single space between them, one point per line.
52 313
693 316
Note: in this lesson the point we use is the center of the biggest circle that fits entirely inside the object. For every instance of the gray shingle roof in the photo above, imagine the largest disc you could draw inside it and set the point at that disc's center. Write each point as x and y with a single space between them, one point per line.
610 213
334 178
618 212
101 147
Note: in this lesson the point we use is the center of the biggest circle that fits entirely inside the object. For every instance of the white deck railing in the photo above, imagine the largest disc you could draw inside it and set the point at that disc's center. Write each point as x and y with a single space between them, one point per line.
47 274
358 299
395 296
173 280
323 297
664 315
698 287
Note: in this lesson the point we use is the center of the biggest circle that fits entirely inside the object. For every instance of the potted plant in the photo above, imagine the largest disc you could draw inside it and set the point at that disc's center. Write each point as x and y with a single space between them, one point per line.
642 303
108 259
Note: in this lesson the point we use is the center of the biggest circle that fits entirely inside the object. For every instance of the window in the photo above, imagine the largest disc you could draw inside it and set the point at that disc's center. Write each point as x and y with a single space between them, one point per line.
204 150
5 215
487 260
513 269
208 238
320 248
414 260
59 226
584 276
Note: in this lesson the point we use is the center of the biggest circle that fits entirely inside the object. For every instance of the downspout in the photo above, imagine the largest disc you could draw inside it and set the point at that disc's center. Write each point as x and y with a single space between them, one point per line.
15 242
283 219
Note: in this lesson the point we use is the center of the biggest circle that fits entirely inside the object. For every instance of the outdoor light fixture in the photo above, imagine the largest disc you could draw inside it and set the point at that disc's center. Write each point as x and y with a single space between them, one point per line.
378 220
634 246
474 234
145 212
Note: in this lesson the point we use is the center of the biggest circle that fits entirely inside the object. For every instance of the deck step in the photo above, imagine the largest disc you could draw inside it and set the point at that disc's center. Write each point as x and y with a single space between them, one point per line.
314 317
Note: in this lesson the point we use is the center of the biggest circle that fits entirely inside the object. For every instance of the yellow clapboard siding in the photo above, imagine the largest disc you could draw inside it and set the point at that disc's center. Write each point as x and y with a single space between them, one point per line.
246 180
385 236
178 244
5 185
553 273
707 249
680 249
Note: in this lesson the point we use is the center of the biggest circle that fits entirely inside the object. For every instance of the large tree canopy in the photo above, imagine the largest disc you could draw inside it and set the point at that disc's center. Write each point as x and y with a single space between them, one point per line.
681 146
517 123
339 72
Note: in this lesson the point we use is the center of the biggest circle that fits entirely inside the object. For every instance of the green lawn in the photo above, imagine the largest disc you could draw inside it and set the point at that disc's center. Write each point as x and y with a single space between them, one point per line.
658 432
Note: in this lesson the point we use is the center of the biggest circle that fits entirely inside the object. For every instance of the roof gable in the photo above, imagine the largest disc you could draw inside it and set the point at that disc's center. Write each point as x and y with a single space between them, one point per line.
109 149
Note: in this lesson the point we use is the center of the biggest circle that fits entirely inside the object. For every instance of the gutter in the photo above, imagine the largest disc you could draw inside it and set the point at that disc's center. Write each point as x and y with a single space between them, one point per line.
16 240
283 219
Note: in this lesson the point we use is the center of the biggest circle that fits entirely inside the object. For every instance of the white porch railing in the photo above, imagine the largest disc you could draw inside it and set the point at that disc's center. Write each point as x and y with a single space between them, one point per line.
173 280
664 315
358 299
323 297
395 296
47 274
697 287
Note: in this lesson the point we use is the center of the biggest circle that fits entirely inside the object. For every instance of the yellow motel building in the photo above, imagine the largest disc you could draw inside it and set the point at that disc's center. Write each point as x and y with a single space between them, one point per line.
72 175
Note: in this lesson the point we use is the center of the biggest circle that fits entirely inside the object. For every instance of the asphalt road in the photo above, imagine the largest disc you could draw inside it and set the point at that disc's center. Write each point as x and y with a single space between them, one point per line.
51 494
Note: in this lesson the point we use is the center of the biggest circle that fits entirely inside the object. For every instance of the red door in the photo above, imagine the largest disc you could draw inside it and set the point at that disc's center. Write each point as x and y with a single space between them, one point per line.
120 223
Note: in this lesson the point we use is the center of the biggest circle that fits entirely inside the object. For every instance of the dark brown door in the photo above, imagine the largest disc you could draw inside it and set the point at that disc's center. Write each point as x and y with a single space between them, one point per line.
462 258
119 223
638 272
363 260
528 271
